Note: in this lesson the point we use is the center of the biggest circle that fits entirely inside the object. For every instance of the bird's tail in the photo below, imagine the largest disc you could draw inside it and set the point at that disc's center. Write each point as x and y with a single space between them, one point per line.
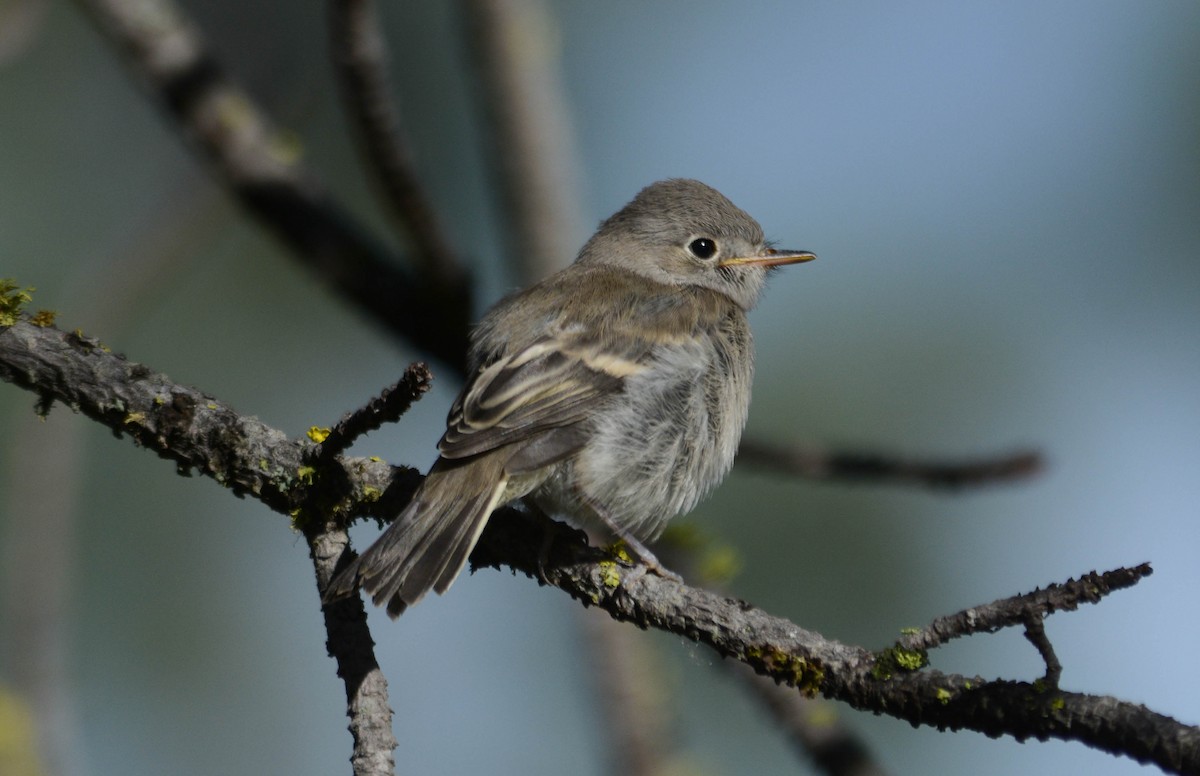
429 543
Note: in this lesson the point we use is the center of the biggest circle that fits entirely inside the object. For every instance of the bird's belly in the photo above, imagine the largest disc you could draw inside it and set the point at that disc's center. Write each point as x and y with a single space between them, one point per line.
669 440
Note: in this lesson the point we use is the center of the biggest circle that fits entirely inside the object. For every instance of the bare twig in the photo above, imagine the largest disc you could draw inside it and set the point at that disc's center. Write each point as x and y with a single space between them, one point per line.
264 170
1007 612
387 407
1035 632
360 55
827 465
199 432
515 57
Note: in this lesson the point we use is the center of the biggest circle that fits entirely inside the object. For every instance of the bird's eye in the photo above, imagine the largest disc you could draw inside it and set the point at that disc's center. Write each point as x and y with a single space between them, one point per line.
703 248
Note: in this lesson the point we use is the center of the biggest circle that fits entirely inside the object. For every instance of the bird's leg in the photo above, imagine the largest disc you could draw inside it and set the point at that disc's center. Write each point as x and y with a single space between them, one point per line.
547 540
643 553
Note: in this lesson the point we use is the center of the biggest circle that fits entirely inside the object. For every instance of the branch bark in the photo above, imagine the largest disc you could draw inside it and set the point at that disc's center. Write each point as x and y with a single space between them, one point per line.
199 432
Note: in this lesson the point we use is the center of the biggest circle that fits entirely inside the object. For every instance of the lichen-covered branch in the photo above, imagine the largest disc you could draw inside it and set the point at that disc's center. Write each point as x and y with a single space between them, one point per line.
203 434
167 54
200 433
866 680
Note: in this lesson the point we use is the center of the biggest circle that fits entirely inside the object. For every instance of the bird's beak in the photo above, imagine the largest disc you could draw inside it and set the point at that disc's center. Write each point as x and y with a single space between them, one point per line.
768 257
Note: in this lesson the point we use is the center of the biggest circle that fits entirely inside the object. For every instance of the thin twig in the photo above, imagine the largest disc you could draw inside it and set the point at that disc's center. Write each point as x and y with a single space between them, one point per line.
264 169
1007 612
360 56
515 68
387 407
1035 632
829 465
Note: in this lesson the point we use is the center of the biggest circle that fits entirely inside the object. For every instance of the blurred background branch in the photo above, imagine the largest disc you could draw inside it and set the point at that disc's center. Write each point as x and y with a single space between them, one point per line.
263 167
816 464
360 57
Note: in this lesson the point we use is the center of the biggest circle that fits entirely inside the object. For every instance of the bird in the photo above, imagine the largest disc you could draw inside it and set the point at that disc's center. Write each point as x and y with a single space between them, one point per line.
614 391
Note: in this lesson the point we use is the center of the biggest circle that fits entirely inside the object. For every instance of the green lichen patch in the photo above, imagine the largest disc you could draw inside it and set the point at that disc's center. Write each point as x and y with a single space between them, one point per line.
12 299
801 673
43 318
610 576
896 659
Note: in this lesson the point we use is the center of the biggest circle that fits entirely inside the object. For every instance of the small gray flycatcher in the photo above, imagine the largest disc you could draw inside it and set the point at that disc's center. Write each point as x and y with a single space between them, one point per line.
615 391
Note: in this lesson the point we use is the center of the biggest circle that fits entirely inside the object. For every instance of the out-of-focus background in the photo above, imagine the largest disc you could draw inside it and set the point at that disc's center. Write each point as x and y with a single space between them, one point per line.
1006 204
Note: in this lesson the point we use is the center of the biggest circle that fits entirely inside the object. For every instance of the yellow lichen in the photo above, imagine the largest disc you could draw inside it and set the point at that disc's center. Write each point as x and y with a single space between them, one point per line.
43 318
318 434
620 551
796 671
898 658
12 299
609 575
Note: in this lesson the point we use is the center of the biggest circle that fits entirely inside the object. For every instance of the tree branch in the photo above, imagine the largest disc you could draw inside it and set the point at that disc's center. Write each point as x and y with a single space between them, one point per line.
1066 597
167 54
869 681
198 432
815 464
387 407
359 54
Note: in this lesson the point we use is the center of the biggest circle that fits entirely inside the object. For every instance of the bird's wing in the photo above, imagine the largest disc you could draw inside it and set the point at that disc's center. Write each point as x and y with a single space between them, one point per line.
550 385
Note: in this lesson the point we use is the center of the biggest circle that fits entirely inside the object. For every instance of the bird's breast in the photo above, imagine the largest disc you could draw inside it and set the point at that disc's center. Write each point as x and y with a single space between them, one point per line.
671 435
